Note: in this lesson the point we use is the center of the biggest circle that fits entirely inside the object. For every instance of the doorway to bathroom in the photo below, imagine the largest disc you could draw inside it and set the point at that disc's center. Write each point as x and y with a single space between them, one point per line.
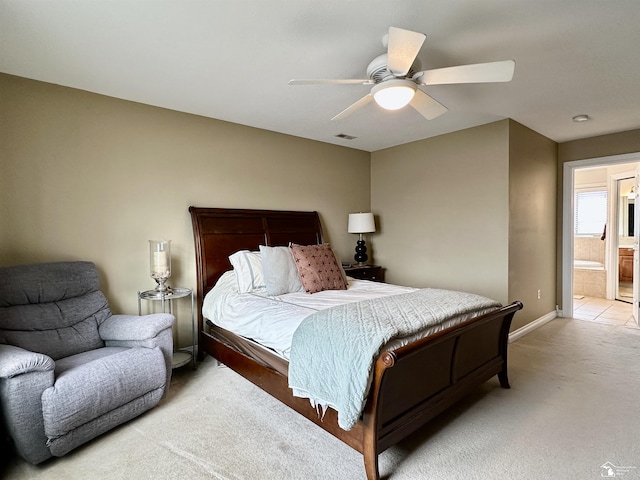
598 239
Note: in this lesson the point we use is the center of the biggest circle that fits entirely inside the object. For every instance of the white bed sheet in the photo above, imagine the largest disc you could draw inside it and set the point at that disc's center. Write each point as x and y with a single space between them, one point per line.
271 321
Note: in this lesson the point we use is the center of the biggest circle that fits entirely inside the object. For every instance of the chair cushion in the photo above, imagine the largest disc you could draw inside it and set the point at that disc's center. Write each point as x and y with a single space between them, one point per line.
46 282
74 361
85 391
57 329
52 308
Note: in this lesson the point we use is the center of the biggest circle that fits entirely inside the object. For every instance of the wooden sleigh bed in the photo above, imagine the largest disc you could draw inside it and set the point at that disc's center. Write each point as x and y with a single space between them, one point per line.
411 384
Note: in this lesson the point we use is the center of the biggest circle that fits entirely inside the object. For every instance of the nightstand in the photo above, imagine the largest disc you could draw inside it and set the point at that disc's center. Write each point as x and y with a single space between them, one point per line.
374 273
180 357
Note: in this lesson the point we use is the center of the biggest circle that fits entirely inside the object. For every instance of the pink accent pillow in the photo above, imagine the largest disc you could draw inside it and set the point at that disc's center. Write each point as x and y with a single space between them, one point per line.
317 267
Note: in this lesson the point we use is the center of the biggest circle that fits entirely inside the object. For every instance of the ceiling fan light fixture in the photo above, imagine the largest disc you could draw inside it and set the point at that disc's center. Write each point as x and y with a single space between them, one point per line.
394 94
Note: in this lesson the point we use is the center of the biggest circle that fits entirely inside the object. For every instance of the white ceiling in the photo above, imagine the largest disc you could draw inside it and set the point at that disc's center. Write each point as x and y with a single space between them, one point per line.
232 59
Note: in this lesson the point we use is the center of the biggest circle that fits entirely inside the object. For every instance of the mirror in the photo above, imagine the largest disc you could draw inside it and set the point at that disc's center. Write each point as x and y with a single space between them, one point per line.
626 206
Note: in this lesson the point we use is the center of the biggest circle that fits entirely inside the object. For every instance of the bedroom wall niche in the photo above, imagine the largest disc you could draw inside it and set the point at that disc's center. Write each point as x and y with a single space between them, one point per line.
471 210
90 177
438 200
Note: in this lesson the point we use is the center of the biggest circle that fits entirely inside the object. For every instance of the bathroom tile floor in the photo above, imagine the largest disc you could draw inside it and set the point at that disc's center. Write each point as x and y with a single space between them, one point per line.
611 312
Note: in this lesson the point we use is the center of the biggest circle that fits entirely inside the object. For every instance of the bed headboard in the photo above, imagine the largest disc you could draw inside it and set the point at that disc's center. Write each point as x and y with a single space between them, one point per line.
219 232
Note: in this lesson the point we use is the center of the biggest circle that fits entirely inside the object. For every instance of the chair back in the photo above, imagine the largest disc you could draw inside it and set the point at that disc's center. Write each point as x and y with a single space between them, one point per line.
52 308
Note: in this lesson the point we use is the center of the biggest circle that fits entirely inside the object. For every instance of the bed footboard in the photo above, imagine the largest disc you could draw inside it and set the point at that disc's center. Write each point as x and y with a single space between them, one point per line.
415 383
411 385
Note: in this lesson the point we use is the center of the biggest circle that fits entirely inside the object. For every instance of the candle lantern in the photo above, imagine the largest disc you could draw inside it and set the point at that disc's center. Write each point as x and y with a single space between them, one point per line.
160 263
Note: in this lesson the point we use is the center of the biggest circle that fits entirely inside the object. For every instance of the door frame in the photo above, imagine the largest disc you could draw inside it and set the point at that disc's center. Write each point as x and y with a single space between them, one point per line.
568 169
636 259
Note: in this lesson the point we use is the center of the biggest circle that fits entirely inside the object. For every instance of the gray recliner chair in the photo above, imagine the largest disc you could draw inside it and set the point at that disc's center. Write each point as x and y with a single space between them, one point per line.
69 369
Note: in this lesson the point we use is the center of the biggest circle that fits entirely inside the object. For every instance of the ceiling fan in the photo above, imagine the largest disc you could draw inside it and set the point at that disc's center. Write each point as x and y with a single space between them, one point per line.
396 77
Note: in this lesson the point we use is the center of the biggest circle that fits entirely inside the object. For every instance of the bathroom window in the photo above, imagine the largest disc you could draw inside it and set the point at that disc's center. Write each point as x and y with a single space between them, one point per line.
591 212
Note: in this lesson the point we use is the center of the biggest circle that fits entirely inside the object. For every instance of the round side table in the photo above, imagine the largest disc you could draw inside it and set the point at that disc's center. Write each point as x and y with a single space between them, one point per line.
180 357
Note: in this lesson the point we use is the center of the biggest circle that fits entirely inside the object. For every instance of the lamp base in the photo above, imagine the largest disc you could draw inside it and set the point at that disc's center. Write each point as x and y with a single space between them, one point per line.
361 253
161 286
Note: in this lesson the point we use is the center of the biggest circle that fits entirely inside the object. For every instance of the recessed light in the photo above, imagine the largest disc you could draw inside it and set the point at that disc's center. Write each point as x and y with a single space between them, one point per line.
581 118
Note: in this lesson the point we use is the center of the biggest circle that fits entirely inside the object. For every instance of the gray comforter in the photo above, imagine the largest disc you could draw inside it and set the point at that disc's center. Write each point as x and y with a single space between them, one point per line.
333 350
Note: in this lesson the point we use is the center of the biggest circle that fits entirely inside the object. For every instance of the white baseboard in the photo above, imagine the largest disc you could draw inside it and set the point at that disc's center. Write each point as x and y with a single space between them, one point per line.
531 326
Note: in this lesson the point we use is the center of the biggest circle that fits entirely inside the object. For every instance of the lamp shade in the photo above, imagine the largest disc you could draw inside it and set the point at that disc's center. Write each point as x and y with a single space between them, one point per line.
361 223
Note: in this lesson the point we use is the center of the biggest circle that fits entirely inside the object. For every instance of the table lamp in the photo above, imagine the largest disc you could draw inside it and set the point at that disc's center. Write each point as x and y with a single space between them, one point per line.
361 223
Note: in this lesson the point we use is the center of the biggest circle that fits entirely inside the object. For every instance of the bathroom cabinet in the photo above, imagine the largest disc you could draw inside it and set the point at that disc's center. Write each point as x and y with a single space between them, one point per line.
625 265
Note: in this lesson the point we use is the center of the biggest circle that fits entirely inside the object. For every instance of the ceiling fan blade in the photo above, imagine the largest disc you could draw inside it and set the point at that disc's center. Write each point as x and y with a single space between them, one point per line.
427 106
352 108
328 81
403 47
476 73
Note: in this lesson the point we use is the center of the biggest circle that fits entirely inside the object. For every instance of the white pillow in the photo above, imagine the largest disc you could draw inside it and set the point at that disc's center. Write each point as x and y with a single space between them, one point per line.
280 272
248 269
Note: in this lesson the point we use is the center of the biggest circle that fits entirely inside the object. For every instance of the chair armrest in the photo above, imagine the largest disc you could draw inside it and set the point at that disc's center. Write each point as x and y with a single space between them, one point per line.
16 361
121 328
148 331
25 375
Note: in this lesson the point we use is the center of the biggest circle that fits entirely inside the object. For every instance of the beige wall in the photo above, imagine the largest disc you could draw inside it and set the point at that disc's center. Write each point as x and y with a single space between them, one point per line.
443 211
532 222
90 177
600 146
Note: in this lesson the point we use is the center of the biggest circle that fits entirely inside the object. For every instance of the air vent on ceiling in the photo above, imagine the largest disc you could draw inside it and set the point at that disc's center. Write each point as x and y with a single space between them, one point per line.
345 136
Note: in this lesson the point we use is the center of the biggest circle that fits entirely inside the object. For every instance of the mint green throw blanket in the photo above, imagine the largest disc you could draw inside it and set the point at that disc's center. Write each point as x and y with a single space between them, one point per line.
333 350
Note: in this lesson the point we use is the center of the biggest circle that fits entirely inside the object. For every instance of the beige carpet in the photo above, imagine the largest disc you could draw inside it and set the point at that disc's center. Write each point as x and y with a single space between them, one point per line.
572 409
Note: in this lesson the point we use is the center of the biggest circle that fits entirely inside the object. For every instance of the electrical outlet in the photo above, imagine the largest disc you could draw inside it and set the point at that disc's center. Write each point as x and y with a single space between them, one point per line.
539 294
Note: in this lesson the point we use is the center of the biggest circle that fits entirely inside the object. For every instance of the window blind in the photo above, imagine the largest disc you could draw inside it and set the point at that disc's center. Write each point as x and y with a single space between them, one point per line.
590 212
